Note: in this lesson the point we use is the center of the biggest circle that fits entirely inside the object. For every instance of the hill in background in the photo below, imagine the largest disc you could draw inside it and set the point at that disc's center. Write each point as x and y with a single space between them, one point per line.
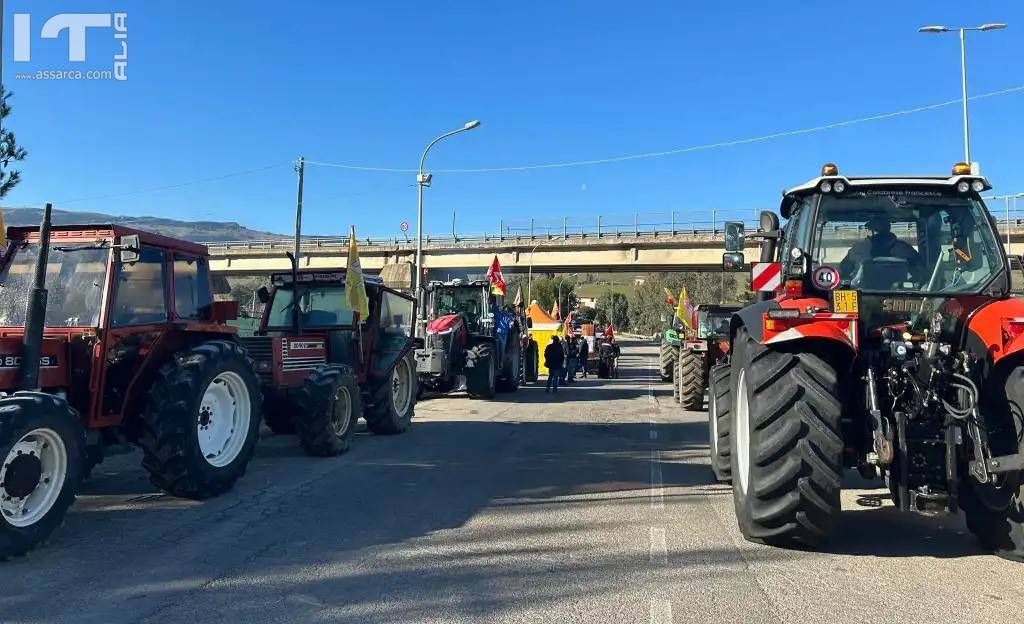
198 231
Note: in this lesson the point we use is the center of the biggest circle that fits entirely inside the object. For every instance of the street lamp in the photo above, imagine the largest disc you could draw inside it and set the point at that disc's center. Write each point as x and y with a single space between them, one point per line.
963 71
560 291
422 180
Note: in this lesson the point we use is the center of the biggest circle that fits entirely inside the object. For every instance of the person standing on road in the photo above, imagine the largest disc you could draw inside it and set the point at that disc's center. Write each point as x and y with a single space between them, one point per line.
584 354
554 359
572 355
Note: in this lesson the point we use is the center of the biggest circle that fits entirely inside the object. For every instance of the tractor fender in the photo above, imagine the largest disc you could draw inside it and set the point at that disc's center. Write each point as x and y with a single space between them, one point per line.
834 328
996 331
750 317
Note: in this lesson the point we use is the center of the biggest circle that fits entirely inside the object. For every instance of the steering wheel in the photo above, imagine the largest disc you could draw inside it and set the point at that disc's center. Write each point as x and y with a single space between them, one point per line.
881 262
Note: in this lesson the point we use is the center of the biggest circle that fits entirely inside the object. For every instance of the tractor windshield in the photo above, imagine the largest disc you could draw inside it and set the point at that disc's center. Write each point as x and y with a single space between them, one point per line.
319 306
919 241
468 301
75 278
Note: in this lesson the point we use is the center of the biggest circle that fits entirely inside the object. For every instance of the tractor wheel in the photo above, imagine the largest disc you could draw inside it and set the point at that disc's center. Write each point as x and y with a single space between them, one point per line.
531 364
278 413
995 510
480 371
667 357
510 369
394 402
200 426
675 381
326 411
691 379
786 445
42 442
719 421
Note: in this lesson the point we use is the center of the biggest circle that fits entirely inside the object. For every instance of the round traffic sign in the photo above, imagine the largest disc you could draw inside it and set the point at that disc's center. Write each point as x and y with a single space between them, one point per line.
405 226
825 277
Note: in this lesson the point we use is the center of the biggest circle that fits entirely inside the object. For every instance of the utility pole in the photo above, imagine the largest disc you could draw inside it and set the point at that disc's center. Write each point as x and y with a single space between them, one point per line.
301 169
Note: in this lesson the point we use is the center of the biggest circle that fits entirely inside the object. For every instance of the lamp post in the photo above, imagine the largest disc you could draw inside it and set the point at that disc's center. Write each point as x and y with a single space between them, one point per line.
560 292
963 71
422 180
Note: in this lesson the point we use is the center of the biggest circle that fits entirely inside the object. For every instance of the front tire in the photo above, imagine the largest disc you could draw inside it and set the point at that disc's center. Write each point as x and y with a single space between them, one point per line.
200 426
394 402
786 445
719 422
480 371
691 379
667 356
326 411
995 511
43 444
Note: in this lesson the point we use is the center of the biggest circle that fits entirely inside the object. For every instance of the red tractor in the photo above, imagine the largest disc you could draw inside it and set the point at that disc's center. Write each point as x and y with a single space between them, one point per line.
111 335
471 340
885 340
322 367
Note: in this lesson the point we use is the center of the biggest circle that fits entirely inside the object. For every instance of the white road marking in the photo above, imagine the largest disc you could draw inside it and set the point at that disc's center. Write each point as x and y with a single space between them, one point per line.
661 611
657 483
659 547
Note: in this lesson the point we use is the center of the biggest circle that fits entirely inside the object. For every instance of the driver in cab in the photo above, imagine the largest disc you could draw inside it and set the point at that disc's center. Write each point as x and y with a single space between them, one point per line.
881 244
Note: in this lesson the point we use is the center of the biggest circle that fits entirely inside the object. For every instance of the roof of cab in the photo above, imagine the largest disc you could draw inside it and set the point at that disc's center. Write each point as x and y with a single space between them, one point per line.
97 231
854 183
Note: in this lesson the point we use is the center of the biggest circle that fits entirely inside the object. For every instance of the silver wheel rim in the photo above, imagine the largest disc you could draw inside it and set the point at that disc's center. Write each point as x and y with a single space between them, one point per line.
713 421
224 417
401 387
742 433
341 411
47 447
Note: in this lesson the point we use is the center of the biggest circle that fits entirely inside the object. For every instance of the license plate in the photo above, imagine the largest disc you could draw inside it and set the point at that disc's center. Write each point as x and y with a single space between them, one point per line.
845 302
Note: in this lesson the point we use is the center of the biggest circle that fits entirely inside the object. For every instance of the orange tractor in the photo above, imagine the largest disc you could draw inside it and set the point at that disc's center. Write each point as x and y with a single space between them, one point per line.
885 340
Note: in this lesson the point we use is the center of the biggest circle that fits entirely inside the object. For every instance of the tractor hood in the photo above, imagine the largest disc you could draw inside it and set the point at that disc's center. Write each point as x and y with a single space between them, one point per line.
442 324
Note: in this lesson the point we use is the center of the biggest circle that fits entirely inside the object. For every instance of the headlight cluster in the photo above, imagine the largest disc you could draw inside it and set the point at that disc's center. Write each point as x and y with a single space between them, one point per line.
964 186
828 186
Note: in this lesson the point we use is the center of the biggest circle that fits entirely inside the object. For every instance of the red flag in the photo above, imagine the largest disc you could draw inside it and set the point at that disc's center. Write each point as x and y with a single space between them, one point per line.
495 278
568 323
608 332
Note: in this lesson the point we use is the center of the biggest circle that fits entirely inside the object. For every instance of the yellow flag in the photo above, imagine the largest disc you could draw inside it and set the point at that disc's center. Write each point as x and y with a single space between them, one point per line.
355 289
683 309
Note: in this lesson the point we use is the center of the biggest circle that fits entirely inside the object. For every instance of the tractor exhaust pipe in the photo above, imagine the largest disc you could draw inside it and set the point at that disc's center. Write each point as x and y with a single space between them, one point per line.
35 315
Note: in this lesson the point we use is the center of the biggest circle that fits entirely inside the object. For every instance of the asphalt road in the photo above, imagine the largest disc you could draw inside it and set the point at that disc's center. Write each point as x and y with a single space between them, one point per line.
595 506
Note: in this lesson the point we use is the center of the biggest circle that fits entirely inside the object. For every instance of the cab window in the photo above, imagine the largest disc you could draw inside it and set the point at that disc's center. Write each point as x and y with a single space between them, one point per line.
141 291
191 287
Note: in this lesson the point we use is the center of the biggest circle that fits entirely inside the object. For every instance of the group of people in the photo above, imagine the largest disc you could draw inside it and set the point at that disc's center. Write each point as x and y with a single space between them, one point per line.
564 359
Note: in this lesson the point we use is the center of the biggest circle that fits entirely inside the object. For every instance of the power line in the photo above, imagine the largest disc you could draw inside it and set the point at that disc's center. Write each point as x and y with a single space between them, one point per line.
682 150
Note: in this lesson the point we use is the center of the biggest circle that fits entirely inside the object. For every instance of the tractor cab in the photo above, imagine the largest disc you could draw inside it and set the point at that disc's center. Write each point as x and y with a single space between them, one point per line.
468 302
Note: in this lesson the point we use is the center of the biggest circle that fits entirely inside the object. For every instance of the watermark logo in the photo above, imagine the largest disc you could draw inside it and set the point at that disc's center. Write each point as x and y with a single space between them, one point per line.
77 26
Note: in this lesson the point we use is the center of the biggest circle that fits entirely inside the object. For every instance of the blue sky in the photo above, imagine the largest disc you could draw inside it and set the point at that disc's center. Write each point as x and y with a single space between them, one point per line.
218 88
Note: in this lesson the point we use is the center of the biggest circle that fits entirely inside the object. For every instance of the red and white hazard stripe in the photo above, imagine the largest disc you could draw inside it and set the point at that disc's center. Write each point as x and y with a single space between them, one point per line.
765 276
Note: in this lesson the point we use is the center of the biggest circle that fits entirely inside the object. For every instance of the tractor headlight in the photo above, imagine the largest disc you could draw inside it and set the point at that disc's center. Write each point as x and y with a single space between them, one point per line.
963 186
839 186
977 186
825 186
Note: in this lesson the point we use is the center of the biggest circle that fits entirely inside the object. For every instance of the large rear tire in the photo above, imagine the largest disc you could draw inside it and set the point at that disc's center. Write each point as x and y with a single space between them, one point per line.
326 411
786 445
42 443
995 511
394 401
691 379
511 366
531 363
667 356
480 371
200 426
719 422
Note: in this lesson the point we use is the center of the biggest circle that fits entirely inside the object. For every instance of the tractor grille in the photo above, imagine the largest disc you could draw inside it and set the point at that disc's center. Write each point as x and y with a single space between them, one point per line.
260 349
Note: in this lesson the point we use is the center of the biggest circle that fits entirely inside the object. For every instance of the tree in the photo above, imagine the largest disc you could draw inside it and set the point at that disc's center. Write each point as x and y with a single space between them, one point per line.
545 290
9 148
649 313
613 308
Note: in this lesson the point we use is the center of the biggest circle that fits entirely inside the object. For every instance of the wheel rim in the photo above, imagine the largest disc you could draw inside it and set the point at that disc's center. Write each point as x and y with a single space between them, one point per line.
341 412
224 415
742 433
713 422
401 387
32 477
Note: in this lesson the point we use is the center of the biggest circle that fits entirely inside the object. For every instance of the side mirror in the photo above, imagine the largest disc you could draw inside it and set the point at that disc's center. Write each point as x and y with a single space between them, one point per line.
734 233
732 261
263 294
769 221
130 248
